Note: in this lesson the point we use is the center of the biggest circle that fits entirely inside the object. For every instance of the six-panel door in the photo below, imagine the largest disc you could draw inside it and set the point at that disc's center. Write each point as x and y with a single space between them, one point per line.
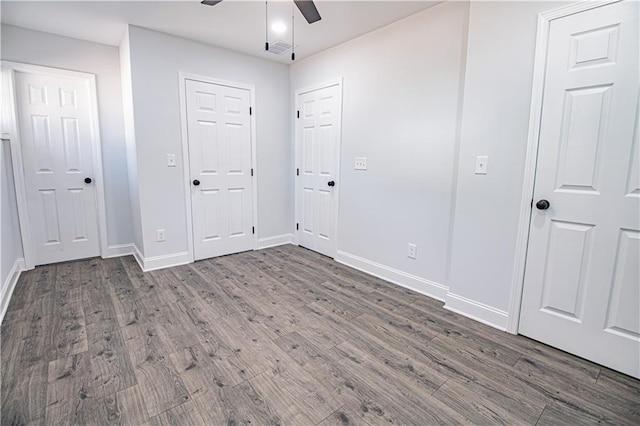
317 147
219 135
54 119
582 283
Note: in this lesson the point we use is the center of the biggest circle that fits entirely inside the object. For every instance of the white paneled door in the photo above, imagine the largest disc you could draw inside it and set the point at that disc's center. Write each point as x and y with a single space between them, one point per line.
582 280
318 160
219 135
54 119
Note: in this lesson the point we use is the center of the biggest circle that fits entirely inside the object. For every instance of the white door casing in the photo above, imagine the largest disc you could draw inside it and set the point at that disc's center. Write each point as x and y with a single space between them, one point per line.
582 282
220 162
318 133
57 126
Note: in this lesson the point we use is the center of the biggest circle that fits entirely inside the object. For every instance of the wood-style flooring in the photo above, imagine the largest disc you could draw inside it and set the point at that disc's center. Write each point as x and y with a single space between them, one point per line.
277 336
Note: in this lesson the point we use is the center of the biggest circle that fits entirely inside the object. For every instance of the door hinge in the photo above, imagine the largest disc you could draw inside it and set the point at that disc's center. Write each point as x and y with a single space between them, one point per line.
251 172
297 172
297 226
250 111
298 114
253 229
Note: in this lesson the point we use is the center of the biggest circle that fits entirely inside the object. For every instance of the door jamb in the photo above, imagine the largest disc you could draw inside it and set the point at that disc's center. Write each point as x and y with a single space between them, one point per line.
539 72
12 129
186 168
334 82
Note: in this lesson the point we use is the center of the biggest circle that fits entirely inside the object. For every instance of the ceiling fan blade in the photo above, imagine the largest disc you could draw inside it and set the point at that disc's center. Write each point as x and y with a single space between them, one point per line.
210 2
308 10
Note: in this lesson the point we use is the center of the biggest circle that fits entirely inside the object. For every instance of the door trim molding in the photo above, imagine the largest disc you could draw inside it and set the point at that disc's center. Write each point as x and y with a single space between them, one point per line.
9 70
334 82
186 168
524 216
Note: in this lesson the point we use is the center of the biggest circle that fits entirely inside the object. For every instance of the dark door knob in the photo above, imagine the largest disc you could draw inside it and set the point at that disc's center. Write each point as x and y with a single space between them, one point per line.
196 182
87 180
331 183
542 205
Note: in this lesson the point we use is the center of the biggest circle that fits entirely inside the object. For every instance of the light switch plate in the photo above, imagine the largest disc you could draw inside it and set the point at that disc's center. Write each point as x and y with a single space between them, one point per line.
360 163
482 162
171 160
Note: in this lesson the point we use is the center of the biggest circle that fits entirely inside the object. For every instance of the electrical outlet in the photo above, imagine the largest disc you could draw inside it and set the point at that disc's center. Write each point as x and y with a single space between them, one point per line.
360 163
482 162
160 235
411 251
171 160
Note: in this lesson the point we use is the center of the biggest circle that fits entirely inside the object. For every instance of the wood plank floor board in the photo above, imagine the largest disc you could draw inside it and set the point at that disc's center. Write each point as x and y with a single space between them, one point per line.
539 388
132 409
197 371
110 366
391 397
297 387
24 395
123 293
169 282
413 392
556 414
396 314
277 336
186 413
205 288
617 384
343 417
410 367
156 376
68 331
265 282
174 326
284 403
571 392
67 390
465 397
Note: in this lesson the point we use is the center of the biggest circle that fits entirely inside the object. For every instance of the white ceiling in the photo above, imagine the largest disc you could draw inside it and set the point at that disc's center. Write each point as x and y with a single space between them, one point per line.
234 24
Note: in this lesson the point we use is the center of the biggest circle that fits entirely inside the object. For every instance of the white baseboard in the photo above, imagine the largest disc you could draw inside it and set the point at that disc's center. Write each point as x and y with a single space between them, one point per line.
9 285
160 262
119 250
477 311
138 256
403 279
277 240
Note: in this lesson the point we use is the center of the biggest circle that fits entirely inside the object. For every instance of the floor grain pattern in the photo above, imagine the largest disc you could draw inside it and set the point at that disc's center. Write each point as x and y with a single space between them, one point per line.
276 336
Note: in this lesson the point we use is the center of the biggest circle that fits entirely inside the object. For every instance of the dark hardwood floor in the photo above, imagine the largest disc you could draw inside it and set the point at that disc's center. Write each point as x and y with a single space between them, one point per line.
277 336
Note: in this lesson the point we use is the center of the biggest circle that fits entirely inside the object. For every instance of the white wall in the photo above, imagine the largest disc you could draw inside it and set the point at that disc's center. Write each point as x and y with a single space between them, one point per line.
130 141
155 60
402 87
10 243
33 47
497 97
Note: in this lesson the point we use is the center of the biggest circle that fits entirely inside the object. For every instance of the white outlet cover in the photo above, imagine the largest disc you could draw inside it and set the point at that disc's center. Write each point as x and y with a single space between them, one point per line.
360 163
482 163
412 251
171 160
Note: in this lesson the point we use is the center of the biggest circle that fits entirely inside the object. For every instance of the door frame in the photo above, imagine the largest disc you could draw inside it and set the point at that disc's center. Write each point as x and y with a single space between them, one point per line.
329 83
186 168
12 130
535 115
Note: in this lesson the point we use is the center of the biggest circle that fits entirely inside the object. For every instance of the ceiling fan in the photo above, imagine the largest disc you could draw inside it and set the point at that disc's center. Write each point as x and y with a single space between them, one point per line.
306 7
